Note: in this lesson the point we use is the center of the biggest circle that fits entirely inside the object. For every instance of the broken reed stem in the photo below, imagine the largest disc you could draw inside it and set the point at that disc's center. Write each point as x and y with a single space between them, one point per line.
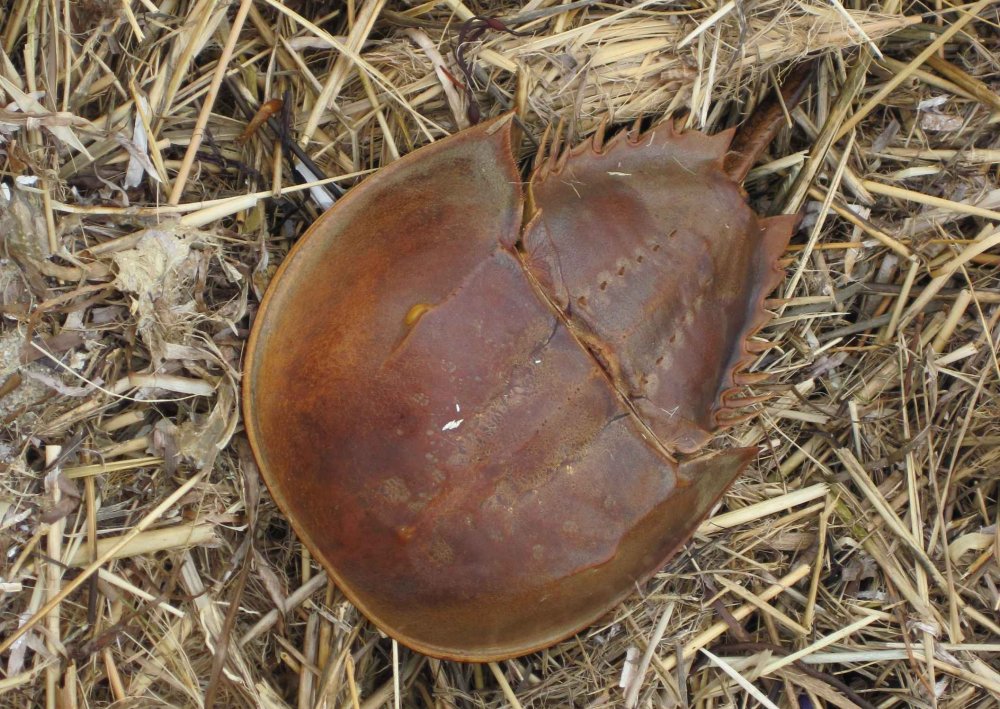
976 88
900 304
360 30
92 568
863 224
90 502
740 680
817 228
172 537
762 606
114 677
809 613
862 480
719 628
53 577
396 692
951 322
309 651
967 155
198 134
759 510
118 581
777 664
930 200
505 687
352 683
294 600
916 518
632 691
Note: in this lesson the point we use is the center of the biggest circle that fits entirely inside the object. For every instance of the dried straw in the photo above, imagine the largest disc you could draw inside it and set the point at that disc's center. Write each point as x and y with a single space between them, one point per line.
157 161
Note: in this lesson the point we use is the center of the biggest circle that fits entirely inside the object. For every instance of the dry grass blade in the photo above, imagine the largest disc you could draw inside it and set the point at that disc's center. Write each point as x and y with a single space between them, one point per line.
742 681
143 213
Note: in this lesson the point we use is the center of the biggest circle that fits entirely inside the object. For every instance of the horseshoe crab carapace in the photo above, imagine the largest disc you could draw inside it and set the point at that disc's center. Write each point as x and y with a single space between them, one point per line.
484 407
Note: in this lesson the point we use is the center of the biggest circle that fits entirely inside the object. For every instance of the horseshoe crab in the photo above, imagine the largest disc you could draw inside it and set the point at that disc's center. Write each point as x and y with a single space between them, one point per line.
485 406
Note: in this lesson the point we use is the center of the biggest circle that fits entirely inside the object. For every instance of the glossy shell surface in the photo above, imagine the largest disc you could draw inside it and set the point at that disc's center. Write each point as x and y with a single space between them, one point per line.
487 419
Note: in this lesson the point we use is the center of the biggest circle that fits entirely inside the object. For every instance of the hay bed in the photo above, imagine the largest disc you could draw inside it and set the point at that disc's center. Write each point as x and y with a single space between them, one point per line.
143 564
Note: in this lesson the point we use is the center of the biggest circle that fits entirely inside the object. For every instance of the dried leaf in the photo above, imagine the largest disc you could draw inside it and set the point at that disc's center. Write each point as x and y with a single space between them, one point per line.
55 123
199 440
138 148
24 234
158 273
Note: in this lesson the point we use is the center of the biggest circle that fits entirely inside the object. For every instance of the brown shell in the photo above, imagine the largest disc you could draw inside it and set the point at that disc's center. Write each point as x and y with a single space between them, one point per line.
481 426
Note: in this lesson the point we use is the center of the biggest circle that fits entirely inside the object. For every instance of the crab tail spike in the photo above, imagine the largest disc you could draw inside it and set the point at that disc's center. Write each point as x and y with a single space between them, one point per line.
564 157
598 139
636 130
542 143
776 234
735 398
731 399
750 378
556 148
728 419
757 133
